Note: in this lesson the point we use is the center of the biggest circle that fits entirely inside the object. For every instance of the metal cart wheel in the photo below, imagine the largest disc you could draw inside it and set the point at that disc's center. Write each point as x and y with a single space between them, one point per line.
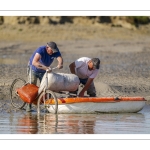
45 95
16 101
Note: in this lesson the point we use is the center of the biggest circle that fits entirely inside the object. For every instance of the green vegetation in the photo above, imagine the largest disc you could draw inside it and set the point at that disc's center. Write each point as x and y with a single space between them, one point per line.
20 29
136 20
1 20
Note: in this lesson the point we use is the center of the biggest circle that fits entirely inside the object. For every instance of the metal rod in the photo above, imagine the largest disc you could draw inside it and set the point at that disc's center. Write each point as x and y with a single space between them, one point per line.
30 74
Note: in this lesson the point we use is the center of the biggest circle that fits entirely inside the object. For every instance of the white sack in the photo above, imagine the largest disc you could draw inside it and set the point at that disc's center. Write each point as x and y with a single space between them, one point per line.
60 82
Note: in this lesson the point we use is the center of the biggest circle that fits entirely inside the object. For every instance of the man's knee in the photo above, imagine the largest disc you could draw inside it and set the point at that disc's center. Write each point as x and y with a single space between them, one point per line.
32 79
92 95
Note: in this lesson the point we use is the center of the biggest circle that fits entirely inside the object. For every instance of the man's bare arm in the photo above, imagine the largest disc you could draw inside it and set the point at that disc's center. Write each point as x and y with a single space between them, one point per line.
36 62
60 62
88 83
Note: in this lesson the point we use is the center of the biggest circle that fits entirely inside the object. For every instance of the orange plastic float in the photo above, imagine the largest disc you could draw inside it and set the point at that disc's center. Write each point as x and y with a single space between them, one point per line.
94 99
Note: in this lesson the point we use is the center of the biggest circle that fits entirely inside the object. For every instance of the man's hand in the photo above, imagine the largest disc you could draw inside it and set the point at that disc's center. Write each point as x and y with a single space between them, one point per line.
81 94
60 66
49 70
88 83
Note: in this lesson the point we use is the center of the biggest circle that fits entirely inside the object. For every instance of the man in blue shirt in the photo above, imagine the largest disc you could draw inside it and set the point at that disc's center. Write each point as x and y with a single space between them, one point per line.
41 60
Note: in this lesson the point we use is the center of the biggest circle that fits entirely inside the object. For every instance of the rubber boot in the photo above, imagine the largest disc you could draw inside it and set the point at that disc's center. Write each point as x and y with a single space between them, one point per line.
28 108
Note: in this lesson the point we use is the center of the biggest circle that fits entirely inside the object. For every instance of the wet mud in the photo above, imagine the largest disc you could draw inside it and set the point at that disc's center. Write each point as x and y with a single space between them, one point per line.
124 56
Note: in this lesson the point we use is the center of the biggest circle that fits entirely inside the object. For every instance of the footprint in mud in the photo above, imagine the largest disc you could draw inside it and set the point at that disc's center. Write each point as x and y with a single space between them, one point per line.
129 90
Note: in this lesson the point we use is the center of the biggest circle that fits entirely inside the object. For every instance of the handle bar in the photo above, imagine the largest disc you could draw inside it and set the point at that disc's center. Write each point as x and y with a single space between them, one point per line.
50 69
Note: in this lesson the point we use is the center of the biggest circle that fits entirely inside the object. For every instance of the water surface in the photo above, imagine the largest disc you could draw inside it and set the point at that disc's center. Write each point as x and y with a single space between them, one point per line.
22 122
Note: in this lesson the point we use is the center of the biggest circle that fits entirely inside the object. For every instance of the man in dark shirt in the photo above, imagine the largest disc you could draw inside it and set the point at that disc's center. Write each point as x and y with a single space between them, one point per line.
41 60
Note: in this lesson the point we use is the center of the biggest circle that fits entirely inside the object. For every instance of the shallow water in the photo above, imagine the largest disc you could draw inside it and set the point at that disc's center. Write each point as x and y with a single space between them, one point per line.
22 122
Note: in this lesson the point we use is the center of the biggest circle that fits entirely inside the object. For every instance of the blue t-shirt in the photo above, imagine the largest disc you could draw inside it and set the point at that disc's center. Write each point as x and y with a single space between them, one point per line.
46 59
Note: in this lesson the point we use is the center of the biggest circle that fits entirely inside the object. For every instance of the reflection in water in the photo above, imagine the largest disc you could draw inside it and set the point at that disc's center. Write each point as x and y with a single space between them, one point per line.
21 122
48 126
67 123
91 123
27 124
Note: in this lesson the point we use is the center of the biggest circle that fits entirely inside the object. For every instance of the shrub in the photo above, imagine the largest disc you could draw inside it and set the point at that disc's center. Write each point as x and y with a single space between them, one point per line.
136 20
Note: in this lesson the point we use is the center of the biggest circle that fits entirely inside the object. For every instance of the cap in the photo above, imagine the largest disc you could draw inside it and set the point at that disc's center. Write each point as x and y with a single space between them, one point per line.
96 63
53 46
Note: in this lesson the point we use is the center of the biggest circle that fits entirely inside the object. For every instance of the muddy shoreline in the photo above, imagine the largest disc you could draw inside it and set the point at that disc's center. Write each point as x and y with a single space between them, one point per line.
124 56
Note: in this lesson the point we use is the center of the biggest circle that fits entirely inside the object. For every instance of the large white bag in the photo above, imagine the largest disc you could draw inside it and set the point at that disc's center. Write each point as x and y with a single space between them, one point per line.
60 82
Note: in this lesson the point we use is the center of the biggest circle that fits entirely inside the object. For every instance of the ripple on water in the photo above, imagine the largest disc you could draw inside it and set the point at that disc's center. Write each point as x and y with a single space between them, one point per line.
21 122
